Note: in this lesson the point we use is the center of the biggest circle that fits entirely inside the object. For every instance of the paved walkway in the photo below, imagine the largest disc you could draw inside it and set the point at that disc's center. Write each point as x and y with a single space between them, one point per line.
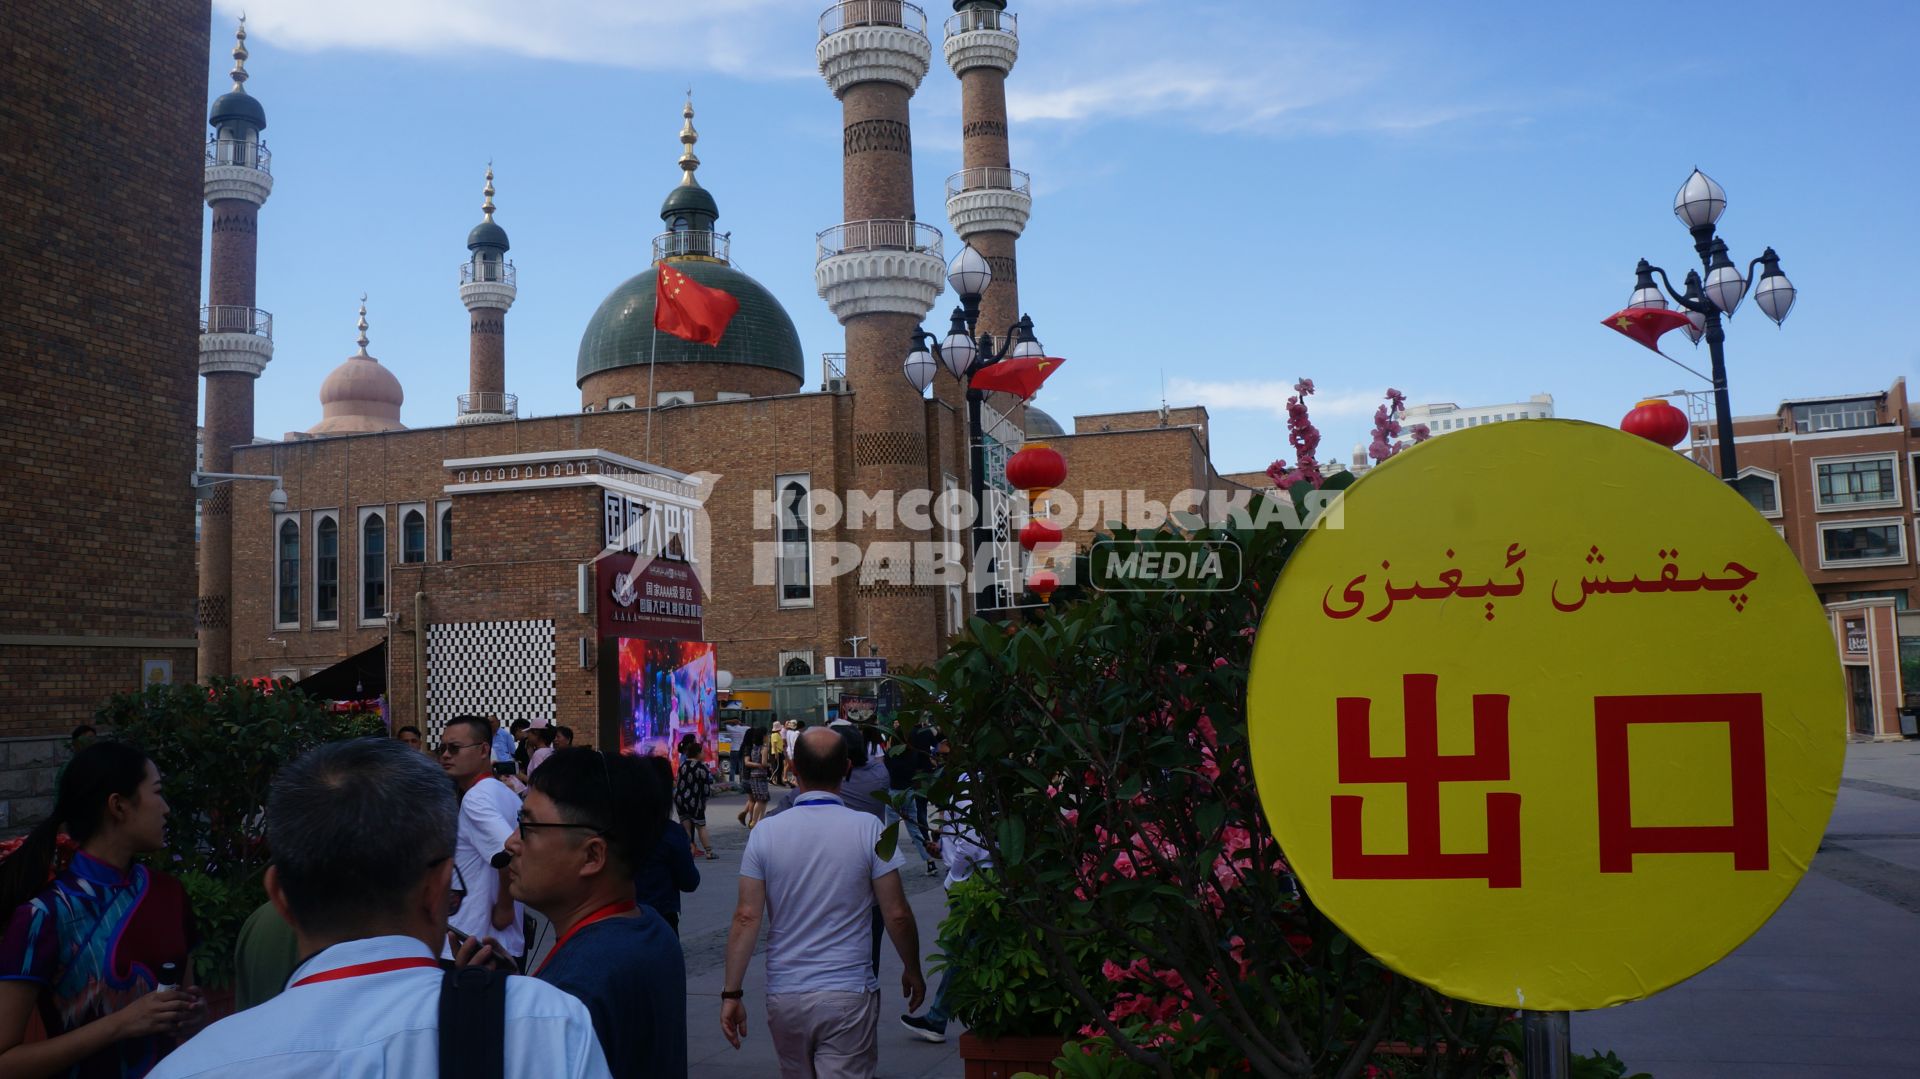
703 933
1825 990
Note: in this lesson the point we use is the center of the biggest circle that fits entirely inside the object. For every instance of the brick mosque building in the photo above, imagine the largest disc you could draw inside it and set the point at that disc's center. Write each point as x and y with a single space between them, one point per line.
467 554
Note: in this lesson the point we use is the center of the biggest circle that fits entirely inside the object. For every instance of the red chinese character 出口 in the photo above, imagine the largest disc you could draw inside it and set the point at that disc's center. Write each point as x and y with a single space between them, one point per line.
1422 769
1621 839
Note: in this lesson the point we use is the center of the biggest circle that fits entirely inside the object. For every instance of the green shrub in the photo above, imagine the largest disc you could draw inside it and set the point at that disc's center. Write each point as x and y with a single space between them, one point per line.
998 981
217 748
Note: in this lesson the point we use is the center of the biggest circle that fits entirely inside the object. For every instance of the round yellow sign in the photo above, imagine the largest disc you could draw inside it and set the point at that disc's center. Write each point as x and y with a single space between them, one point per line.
1545 716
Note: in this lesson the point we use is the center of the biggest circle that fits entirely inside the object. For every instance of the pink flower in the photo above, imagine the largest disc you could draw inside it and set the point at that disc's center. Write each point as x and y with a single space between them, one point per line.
1420 432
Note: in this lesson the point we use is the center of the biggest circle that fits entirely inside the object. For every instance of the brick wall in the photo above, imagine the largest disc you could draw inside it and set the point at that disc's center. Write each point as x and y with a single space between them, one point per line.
102 109
515 553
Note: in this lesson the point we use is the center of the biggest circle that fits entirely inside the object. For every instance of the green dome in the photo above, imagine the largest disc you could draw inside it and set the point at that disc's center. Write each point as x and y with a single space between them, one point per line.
239 105
690 198
1041 425
487 234
620 334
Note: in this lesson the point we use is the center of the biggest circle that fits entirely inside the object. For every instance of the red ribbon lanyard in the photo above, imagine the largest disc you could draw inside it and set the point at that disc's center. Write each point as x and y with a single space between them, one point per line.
611 910
381 966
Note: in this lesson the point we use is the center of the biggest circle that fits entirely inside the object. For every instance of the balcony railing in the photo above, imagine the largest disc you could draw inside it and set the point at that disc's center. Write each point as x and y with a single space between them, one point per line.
989 178
884 235
697 242
501 272
253 155
848 14
973 19
223 318
493 404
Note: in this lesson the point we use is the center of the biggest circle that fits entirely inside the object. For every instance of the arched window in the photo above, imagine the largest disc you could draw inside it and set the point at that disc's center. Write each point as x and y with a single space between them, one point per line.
413 537
446 532
287 612
373 567
796 542
796 668
326 571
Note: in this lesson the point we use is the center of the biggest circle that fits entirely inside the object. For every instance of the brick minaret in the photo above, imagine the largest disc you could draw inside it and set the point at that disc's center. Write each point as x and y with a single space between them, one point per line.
236 338
987 201
487 287
881 271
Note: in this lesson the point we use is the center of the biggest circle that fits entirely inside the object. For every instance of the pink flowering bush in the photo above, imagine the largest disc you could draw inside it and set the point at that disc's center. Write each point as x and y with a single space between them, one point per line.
1100 754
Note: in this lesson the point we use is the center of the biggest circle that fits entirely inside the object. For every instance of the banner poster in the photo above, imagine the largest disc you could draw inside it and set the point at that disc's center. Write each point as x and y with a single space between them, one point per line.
665 691
859 711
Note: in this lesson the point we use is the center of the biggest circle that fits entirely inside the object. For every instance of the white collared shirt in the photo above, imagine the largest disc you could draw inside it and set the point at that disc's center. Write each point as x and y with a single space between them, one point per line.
382 1026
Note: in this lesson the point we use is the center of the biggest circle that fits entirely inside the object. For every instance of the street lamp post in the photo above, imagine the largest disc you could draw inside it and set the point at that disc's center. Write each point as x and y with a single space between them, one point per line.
965 352
1698 205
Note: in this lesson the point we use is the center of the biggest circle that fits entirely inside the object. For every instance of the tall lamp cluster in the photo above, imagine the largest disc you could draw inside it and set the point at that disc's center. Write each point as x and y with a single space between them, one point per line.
965 352
1699 204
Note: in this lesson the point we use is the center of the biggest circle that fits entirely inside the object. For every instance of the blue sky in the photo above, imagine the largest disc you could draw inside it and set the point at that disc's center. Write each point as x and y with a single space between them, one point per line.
1445 198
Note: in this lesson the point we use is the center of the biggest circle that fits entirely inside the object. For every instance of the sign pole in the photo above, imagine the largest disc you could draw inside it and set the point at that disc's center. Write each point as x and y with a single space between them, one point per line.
1549 1042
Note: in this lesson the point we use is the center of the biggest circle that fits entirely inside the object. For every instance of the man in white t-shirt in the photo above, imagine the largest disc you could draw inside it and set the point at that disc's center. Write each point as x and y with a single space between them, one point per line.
815 868
489 812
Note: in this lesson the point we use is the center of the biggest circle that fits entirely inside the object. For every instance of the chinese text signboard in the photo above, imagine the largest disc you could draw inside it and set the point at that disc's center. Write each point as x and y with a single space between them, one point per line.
1554 721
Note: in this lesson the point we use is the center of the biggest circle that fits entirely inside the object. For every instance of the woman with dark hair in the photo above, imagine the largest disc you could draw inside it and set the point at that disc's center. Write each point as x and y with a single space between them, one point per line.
92 946
691 789
668 869
759 765
541 741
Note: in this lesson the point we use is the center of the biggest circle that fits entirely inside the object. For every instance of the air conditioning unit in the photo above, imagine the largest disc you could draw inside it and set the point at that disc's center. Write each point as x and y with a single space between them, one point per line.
836 385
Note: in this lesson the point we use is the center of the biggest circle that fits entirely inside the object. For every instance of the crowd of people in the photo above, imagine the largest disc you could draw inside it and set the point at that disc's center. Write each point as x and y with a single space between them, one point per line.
404 878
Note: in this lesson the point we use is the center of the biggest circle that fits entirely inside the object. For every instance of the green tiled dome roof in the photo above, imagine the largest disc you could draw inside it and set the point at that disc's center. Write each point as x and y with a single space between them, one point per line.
1041 425
760 335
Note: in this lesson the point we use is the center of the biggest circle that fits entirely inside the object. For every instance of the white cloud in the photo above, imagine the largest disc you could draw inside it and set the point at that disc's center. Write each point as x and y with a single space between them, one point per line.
1220 71
1270 396
752 38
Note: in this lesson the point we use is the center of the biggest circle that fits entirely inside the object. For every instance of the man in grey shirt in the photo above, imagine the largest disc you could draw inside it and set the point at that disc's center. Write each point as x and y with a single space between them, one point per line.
815 870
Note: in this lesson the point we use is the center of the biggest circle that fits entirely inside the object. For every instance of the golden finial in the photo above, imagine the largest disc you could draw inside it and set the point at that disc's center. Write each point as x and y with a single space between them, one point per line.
689 161
487 206
363 325
239 71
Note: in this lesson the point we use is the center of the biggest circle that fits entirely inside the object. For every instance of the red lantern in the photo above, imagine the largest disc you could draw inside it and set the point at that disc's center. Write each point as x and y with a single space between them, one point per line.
1656 421
1040 532
1043 583
1039 467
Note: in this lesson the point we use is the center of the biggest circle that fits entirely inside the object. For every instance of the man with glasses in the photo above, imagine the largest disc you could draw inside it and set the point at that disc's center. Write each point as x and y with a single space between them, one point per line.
362 835
488 811
589 820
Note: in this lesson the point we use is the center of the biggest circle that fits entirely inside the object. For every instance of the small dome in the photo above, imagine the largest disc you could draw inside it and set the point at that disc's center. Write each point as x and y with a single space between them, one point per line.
487 234
1041 425
237 105
620 334
360 396
689 198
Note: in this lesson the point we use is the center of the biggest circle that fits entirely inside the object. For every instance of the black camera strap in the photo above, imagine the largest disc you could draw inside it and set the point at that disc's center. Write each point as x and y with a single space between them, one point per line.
473 1024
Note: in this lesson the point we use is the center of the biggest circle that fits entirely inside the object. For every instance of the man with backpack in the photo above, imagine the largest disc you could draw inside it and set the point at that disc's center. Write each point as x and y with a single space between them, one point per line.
363 835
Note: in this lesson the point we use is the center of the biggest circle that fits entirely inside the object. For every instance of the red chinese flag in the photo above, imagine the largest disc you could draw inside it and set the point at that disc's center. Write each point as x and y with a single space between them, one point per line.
688 309
1646 324
1020 376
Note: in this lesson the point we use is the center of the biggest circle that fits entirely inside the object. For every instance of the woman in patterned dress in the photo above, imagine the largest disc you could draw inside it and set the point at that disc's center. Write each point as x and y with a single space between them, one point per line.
758 767
690 792
86 947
